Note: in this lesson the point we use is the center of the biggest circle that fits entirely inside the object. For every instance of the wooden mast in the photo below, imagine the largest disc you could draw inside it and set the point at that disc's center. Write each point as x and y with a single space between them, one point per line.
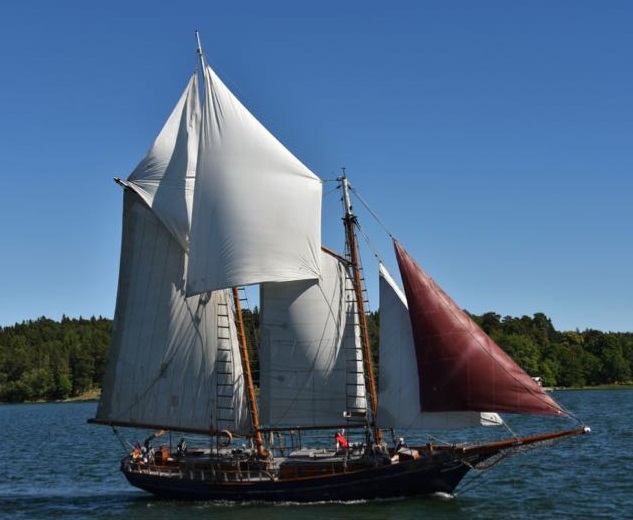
248 376
350 221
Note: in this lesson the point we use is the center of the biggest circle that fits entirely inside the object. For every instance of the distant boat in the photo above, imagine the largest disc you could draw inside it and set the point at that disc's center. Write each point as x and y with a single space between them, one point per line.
539 381
217 204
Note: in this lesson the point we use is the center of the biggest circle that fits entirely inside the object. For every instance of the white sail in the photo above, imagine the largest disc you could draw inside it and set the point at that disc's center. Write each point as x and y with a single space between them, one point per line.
168 353
257 208
165 177
310 356
173 360
398 394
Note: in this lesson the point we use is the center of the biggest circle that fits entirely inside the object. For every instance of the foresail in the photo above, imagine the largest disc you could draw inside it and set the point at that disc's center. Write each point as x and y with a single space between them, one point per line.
257 208
311 368
173 360
165 177
399 403
460 367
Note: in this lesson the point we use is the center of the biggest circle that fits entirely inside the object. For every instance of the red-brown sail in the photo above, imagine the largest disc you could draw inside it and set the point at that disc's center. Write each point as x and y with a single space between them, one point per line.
459 366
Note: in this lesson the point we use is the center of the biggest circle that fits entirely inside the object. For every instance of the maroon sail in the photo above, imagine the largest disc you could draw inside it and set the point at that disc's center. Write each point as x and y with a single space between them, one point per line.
459 366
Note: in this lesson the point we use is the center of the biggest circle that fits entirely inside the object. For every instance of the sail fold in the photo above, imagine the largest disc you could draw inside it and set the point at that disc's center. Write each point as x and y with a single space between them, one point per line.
164 178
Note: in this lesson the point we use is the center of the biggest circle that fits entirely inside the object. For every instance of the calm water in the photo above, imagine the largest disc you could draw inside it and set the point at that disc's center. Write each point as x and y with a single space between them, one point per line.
55 465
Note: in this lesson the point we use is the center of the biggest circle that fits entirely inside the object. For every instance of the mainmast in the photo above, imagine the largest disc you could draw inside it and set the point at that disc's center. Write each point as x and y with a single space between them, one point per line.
349 221
248 375
246 366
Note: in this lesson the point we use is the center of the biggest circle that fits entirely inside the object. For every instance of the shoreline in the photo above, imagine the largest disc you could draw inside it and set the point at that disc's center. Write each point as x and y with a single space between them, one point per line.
90 395
95 394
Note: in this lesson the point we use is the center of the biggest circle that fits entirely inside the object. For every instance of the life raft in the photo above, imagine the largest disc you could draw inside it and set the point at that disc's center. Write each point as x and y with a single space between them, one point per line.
224 438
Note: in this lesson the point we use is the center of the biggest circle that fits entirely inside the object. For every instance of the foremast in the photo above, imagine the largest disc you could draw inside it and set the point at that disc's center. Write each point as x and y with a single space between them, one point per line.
349 221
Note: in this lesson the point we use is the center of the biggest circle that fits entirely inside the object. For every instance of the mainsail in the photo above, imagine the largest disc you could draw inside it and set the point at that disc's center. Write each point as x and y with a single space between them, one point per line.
461 368
257 208
399 404
173 360
310 355
216 202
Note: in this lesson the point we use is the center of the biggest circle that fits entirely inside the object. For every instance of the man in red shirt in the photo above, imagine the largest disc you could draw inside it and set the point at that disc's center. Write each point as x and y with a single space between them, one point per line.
341 441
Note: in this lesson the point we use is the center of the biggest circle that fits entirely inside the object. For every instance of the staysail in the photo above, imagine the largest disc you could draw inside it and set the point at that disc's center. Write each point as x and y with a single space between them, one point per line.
311 362
460 367
399 403
173 360
257 208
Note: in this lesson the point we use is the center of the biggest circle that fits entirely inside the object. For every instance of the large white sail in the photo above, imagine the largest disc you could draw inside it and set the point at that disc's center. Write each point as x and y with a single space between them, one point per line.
174 361
257 208
398 394
310 356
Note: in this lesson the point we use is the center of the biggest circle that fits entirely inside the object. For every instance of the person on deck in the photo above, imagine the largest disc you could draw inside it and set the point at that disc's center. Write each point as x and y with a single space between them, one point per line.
136 452
341 441
147 451
401 444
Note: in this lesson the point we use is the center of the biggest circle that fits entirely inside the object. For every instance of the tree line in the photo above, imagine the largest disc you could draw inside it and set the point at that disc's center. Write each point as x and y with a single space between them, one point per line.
48 360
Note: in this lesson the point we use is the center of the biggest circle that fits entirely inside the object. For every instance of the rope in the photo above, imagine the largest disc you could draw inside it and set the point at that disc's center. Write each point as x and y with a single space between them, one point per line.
477 480
122 440
371 212
369 243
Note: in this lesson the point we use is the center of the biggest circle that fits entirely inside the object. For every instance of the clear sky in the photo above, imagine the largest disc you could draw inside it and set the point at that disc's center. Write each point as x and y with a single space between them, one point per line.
493 138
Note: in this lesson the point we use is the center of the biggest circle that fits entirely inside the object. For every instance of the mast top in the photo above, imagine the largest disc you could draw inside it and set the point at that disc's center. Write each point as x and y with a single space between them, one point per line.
346 198
199 45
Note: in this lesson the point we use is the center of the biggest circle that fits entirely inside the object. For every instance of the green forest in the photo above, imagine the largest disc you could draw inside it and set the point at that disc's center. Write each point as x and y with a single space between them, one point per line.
46 360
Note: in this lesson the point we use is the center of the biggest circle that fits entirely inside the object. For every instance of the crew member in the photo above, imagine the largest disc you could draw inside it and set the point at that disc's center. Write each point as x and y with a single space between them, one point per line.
341 441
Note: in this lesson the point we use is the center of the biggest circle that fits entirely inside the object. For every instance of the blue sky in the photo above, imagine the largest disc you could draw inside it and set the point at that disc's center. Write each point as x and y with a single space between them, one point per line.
493 138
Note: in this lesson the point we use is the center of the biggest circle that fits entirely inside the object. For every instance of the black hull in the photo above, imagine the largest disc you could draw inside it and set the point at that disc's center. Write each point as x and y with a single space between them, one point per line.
431 469
434 473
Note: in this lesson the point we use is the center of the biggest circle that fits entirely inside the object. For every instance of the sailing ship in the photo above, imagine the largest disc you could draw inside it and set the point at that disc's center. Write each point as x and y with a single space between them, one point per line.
218 204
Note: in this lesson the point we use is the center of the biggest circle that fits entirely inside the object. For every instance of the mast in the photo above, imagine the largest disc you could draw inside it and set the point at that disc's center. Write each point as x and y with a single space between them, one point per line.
199 47
248 376
349 221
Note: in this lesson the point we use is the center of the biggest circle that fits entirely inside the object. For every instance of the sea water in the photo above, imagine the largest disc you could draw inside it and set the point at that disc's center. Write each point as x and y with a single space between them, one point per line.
55 465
